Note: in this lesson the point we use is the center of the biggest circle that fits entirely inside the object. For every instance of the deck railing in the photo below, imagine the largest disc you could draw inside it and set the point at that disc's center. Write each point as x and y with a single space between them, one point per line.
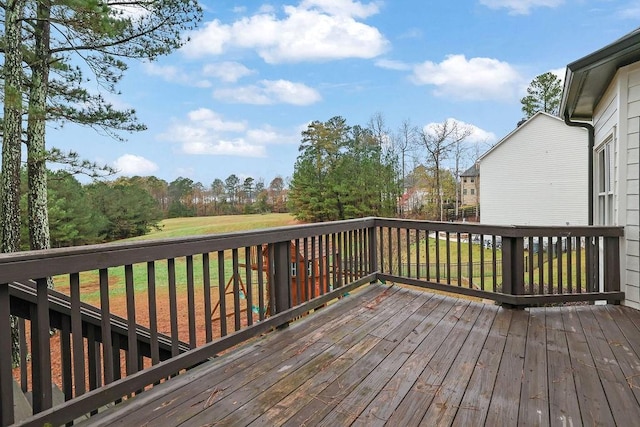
192 298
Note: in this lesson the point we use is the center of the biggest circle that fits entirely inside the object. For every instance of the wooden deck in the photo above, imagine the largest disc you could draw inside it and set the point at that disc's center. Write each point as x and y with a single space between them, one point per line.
389 355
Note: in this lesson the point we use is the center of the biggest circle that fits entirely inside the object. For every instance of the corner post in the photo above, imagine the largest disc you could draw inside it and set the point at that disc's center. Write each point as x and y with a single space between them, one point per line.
612 264
373 253
281 276
512 266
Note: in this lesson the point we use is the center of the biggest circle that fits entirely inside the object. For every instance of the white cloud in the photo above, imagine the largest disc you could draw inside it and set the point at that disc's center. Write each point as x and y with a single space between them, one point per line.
390 64
130 164
205 132
520 7
209 119
474 78
350 8
477 135
227 71
315 30
632 11
268 92
174 74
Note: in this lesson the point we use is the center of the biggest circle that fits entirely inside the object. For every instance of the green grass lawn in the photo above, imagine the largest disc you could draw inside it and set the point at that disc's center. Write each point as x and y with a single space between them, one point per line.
176 227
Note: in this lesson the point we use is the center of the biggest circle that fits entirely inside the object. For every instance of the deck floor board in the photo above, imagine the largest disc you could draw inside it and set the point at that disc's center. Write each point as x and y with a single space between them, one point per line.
397 356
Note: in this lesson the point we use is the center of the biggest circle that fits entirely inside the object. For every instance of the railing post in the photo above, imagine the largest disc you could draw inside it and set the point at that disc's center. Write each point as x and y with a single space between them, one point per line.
611 264
512 266
6 386
281 276
41 351
373 253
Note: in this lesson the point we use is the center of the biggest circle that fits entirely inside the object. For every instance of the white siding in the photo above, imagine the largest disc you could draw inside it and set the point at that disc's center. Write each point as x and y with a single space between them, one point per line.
537 175
618 114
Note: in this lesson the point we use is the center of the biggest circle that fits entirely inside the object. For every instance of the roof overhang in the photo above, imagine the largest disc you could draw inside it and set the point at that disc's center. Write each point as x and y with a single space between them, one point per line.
588 78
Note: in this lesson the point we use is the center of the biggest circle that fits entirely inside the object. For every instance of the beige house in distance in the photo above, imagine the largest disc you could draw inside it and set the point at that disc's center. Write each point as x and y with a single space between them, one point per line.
470 186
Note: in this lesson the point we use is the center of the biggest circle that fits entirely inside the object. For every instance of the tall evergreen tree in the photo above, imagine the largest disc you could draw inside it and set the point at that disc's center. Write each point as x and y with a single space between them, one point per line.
58 36
543 94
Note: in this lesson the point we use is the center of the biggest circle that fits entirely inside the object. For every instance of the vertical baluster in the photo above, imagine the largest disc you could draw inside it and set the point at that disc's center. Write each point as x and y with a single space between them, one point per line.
297 273
437 256
173 307
153 312
448 253
559 263
340 260
41 352
540 265
398 249
579 283
482 262
305 270
191 302
261 304
206 291
418 233
107 355
222 302
311 267
408 251
381 259
328 247
24 352
132 339
459 258
76 335
470 258
321 257
352 255
115 351
495 263
550 264
530 263
570 264
390 249
335 261
236 290
93 358
248 274
427 251
65 357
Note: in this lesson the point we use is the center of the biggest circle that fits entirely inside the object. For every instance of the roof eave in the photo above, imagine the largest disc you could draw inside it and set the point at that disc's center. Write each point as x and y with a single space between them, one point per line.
587 79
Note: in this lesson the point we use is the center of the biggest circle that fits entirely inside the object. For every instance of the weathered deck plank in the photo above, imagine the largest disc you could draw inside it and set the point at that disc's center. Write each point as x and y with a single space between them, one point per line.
563 401
393 356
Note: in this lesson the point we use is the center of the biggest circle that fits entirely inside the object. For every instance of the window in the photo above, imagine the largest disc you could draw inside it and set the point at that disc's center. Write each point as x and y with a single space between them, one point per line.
605 181
473 191
464 180
464 192
472 180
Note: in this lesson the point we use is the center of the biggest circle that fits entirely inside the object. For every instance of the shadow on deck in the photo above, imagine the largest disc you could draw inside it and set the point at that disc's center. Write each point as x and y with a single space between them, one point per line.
401 357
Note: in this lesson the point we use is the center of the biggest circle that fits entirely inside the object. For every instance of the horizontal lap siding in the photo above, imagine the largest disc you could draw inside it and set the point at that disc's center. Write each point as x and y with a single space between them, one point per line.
632 240
536 176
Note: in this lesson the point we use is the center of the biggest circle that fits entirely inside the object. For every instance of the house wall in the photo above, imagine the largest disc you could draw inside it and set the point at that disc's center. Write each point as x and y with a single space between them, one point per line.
618 114
470 190
537 175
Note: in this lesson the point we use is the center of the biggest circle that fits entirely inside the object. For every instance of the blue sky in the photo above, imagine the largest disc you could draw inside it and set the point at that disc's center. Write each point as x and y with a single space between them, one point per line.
236 97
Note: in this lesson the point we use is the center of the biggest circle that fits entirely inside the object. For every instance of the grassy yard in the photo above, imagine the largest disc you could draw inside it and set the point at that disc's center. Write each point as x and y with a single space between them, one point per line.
179 227
176 227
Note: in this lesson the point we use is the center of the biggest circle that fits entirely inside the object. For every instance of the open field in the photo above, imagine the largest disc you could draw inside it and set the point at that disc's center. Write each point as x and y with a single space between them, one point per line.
179 227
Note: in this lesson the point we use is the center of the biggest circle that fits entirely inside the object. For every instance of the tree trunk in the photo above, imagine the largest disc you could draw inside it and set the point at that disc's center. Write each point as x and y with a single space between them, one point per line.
12 145
36 149
12 132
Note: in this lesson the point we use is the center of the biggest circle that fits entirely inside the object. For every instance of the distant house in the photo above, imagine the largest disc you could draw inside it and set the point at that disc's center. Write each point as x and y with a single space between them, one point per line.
470 186
536 175
602 94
